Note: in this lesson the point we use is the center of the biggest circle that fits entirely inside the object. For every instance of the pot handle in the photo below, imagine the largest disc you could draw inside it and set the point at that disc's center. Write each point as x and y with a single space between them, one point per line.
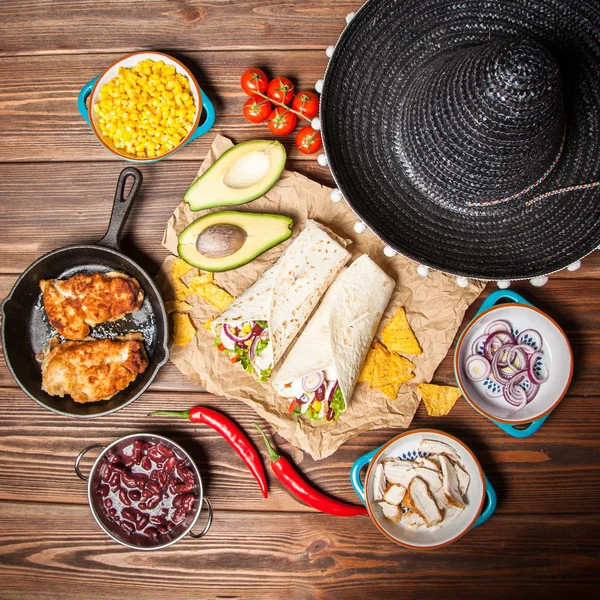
80 456
121 207
208 522
498 295
209 109
490 504
357 467
86 90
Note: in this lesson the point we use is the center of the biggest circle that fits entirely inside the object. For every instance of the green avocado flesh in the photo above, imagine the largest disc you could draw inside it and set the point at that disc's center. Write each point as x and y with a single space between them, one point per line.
240 175
225 240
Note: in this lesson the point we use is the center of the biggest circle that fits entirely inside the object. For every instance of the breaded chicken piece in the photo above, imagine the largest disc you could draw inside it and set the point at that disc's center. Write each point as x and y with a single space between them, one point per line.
93 370
83 301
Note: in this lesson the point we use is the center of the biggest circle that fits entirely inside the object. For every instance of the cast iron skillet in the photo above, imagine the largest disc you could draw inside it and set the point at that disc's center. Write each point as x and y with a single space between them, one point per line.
25 326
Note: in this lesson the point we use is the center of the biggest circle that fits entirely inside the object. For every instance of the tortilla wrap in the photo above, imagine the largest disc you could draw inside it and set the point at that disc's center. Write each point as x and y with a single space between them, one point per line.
341 331
286 294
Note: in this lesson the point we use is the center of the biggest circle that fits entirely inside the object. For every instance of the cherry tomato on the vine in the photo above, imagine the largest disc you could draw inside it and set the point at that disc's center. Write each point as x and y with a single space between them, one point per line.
308 140
253 81
281 89
257 109
306 103
282 121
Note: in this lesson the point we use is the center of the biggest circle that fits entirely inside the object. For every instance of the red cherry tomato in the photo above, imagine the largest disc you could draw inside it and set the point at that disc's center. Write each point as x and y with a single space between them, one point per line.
257 109
281 89
309 140
253 81
282 121
306 103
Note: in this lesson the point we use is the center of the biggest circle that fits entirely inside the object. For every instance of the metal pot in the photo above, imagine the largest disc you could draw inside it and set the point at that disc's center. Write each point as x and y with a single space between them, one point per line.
111 528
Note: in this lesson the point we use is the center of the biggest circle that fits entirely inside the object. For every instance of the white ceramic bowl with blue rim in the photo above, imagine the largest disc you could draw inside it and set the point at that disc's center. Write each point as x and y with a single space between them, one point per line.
92 89
557 362
406 445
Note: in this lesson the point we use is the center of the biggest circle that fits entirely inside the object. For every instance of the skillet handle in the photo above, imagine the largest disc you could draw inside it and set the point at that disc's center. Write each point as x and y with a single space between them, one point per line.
121 207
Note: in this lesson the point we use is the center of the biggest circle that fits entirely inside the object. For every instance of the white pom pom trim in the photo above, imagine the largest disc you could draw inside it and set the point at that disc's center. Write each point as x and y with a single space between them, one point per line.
316 123
503 284
360 227
335 195
329 51
462 281
422 270
539 281
574 266
349 17
388 251
319 86
322 160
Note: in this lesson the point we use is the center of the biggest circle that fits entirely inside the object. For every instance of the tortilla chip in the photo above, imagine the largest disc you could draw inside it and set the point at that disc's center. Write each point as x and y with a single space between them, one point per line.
177 306
214 294
182 291
391 369
398 336
439 399
179 268
201 278
391 390
368 367
208 324
183 329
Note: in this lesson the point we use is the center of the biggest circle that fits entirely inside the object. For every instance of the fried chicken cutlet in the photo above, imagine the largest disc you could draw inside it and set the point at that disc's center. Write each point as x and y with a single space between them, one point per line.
93 370
83 301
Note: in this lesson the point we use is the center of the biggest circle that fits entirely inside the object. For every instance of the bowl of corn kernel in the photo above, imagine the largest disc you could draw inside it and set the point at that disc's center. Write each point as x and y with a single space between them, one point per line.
145 107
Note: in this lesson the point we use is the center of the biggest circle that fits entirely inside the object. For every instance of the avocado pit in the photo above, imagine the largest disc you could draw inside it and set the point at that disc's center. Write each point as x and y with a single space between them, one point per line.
221 240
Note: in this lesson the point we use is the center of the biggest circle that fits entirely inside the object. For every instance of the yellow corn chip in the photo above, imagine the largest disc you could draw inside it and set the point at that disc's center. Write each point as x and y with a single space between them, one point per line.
183 329
179 268
177 306
439 399
204 277
390 369
214 294
398 336
182 291
208 324
368 367
390 390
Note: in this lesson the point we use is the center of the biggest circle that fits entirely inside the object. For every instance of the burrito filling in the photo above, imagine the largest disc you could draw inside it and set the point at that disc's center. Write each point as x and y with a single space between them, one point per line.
316 396
248 343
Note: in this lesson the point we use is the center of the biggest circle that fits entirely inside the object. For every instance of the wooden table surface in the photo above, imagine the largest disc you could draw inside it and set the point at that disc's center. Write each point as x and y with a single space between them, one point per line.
56 188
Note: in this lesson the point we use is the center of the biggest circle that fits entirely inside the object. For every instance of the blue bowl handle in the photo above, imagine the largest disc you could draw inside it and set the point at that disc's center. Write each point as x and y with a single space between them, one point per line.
530 429
490 504
210 117
357 467
86 90
498 295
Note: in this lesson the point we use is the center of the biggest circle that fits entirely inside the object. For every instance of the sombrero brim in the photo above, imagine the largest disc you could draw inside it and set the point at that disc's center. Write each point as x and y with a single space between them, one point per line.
386 44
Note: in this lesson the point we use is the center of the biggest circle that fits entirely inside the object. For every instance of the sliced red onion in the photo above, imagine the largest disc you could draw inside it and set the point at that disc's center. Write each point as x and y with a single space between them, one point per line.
233 336
503 340
533 376
533 335
312 382
494 393
332 387
252 351
478 367
496 326
475 346
514 394
532 391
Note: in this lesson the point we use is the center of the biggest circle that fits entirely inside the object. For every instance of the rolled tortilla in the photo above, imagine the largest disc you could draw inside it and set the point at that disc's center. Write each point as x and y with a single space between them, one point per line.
339 334
286 294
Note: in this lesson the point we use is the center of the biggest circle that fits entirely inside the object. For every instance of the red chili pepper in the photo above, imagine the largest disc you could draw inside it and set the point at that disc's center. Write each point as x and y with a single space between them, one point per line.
232 433
291 479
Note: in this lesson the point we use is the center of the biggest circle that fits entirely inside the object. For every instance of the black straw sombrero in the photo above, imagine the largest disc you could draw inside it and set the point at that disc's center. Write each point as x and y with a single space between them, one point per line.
466 134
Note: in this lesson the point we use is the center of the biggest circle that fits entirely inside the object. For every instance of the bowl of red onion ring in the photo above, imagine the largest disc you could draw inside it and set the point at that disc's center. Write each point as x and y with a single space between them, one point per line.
513 363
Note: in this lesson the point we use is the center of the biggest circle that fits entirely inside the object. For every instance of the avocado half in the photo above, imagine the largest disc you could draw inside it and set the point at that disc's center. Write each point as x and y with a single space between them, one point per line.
243 173
225 240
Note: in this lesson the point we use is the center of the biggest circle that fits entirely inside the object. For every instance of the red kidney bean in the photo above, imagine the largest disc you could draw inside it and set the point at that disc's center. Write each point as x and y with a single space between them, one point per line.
129 461
140 481
129 480
330 414
170 525
320 393
162 449
115 480
177 500
103 490
137 455
142 522
111 457
147 493
130 513
160 528
143 506
154 488
153 502
185 474
187 502
186 487
127 526
135 495
152 532
107 502
154 455
124 497
170 464
156 519
141 445
112 512
164 511
179 515
146 464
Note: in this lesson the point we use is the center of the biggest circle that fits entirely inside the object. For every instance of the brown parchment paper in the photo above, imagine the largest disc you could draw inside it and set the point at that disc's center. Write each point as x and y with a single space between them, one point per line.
435 306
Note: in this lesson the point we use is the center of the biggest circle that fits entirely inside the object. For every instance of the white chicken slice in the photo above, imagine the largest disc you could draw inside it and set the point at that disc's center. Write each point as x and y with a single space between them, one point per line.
435 447
428 463
398 471
379 483
463 479
450 483
419 499
391 511
394 494
412 520
450 514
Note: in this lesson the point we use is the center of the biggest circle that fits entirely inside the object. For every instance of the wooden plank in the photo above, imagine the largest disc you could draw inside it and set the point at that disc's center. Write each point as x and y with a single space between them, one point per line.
536 475
50 26
40 122
54 551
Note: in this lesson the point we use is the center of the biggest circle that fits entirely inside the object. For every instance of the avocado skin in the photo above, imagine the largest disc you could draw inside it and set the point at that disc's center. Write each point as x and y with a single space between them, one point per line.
263 232
209 191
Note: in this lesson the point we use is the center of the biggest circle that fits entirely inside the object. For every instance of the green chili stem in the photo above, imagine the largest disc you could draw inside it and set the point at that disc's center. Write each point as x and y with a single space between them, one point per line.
183 414
272 453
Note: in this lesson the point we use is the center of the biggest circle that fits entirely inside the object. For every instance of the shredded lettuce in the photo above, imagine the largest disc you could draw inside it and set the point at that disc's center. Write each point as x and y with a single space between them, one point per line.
217 341
262 324
261 346
337 402
265 374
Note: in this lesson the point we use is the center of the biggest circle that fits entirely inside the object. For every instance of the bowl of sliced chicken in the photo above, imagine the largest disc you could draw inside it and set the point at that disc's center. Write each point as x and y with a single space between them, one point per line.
424 489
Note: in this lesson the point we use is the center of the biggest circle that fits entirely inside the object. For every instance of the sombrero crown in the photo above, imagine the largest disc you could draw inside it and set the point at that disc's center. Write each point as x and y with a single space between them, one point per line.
482 124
